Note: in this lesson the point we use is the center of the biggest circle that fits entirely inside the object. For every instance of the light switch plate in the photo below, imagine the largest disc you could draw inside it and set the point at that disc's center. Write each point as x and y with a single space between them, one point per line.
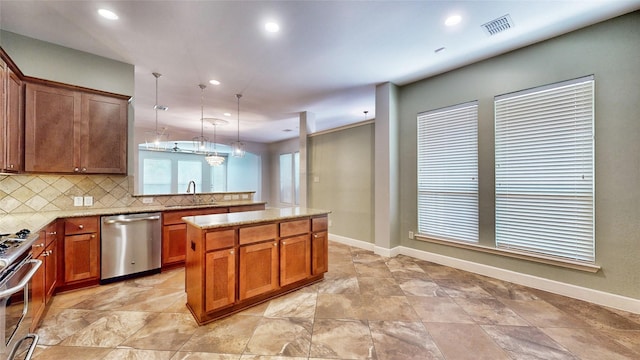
88 201
77 201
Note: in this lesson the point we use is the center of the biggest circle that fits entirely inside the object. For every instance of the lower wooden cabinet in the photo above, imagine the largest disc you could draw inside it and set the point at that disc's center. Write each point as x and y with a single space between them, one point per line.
43 283
258 272
81 249
174 240
220 275
233 267
295 259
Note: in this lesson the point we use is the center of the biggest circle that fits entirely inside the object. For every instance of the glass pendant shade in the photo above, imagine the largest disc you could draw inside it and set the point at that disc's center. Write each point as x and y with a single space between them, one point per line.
157 139
201 143
214 159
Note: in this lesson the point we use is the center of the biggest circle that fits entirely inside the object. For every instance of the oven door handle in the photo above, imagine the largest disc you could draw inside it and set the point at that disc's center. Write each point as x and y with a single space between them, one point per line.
25 279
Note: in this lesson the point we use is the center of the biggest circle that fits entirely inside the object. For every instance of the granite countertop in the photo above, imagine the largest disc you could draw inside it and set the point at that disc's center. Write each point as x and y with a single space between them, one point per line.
250 217
10 223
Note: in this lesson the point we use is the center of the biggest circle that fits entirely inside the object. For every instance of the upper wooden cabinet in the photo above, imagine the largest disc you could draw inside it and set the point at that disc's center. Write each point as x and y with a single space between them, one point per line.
11 120
72 131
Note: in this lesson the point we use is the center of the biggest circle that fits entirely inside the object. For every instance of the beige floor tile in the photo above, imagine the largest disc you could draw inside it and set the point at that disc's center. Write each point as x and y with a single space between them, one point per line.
296 304
226 336
164 332
127 354
590 344
490 311
527 342
339 306
110 330
280 336
465 341
69 353
181 355
372 286
541 313
342 339
397 340
439 309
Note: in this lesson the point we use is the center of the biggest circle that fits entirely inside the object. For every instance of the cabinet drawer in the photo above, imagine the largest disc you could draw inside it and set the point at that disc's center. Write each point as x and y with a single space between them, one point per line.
219 239
296 227
81 225
319 224
175 217
254 234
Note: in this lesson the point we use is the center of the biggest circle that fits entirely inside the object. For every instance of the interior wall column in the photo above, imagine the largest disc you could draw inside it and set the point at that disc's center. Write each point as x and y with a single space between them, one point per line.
307 126
386 159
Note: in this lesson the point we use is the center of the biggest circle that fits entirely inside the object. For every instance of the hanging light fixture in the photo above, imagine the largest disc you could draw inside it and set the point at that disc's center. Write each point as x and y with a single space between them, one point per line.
201 143
237 147
158 139
214 159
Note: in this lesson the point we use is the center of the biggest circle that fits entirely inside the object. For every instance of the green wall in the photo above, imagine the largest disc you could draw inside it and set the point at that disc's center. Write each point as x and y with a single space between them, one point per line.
341 180
609 50
45 60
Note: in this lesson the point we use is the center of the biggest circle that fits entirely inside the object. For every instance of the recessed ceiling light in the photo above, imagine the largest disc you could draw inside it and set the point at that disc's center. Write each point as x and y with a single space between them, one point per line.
214 82
453 20
108 14
227 114
272 27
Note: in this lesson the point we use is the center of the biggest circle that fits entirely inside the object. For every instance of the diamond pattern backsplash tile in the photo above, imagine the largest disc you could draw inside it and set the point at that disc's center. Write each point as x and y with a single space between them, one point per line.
29 193
36 193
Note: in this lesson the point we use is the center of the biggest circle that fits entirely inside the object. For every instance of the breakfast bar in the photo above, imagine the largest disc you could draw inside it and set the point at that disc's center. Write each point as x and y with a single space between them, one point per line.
237 260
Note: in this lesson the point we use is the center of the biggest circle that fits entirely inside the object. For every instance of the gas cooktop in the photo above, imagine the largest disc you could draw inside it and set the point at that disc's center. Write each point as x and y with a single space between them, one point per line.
13 246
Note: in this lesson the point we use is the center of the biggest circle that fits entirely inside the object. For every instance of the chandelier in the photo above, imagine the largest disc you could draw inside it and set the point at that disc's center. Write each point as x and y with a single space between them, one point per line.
214 159
201 143
158 139
237 147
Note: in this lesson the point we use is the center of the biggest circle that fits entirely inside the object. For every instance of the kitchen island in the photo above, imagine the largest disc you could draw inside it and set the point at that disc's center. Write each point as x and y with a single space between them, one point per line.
237 260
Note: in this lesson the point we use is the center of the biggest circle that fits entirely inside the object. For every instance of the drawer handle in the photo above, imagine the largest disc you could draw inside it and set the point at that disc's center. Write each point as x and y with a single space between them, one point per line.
39 245
52 233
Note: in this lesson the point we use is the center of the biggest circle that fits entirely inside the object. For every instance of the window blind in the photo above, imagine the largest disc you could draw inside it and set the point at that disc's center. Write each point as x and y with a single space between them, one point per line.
448 173
544 170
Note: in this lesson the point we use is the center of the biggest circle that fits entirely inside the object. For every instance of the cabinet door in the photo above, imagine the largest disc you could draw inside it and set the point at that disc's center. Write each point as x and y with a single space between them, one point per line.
220 279
258 269
37 286
174 243
51 116
319 253
103 135
14 123
81 257
295 259
51 270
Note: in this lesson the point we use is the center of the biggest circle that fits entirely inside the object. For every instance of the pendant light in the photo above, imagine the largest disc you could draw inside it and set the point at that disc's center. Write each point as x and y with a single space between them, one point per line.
237 147
214 159
201 143
158 139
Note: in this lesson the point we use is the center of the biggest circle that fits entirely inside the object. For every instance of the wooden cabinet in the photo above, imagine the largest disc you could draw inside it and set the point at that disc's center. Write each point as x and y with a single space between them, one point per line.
174 231
258 269
295 259
319 245
81 249
71 131
233 267
174 234
11 120
43 283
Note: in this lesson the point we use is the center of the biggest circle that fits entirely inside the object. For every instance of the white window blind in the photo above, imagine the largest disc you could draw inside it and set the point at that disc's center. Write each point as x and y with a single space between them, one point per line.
544 170
448 173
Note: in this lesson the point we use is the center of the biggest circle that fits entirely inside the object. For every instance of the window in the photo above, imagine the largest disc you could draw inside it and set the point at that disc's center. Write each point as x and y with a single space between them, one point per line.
544 170
157 175
188 171
448 173
290 178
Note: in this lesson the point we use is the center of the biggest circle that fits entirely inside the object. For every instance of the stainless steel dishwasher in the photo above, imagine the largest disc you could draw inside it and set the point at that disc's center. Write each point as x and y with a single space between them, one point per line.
130 245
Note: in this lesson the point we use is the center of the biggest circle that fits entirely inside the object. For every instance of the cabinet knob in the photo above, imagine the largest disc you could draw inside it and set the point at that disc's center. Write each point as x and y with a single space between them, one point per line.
284 243
231 252
80 226
76 169
11 166
84 169
93 236
275 244
315 236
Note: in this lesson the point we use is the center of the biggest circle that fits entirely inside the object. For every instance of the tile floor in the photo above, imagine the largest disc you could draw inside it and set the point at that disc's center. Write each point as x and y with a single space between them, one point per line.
368 307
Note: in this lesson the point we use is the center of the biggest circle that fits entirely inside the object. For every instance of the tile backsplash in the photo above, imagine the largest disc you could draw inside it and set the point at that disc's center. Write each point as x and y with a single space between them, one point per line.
29 193
35 193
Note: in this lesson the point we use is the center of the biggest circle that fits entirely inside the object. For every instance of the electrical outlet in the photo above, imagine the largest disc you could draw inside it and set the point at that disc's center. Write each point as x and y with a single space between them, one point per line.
147 200
410 234
88 201
330 223
77 201
245 196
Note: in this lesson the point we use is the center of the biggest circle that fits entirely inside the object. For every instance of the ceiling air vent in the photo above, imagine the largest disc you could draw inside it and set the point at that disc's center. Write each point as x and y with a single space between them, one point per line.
498 25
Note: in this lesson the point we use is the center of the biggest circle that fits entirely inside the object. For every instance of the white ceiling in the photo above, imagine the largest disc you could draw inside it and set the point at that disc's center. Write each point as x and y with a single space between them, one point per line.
326 59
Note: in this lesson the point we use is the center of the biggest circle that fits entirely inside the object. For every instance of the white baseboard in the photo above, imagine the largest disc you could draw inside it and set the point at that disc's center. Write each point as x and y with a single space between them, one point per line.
553 286
351 242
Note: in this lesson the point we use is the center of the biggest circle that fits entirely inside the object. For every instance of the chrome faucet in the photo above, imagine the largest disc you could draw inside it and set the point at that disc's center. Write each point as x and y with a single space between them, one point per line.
195 198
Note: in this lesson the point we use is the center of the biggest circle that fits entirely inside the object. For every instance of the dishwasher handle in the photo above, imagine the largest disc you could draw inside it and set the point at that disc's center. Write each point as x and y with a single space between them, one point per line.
130 220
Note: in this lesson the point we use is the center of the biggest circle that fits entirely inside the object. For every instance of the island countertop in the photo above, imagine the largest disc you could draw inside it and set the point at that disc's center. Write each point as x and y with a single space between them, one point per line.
250 217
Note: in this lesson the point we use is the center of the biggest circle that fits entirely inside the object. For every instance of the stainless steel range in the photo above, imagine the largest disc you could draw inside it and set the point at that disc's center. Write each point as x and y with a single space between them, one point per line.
16 270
